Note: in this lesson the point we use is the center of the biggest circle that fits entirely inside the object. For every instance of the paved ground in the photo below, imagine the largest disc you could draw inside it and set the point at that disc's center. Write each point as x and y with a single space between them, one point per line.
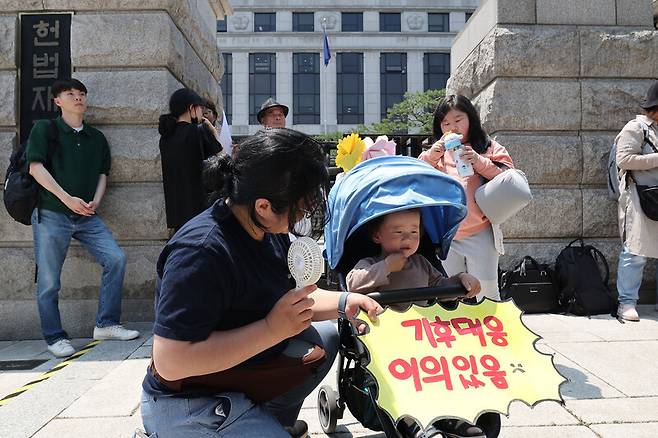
612 389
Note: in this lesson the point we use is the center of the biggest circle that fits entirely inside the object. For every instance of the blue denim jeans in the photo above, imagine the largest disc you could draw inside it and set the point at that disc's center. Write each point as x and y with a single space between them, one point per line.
52 236
232 414
629 276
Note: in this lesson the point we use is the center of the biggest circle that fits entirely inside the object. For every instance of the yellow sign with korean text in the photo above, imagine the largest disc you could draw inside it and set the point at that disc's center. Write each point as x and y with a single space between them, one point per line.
433 363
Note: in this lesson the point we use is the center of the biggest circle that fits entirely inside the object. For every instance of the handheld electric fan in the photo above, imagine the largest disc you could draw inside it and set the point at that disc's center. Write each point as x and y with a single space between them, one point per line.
305 261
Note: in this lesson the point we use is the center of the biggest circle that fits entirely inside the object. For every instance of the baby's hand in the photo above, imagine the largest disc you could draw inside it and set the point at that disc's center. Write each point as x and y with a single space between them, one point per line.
471 284
395 262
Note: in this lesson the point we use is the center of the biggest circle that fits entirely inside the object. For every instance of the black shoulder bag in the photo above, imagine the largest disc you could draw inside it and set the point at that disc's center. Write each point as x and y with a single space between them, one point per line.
648 194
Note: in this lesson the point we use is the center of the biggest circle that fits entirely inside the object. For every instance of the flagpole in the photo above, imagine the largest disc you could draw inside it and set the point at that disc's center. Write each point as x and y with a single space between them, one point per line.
324 79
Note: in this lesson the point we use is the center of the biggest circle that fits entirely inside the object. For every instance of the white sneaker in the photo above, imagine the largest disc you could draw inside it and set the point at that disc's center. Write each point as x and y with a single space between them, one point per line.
627 312
114 332
62 348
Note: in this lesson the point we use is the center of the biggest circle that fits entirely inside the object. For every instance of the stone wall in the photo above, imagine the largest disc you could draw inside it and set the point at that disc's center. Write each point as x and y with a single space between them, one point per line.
131 56
554 81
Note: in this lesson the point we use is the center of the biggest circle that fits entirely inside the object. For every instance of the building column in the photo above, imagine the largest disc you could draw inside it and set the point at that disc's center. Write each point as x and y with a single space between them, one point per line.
284 82
328 112
457 21
284 21
371 88
240 93
370 21
415 80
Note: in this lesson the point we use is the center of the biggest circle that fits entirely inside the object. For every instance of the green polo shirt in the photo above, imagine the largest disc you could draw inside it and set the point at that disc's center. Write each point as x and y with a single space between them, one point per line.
76 165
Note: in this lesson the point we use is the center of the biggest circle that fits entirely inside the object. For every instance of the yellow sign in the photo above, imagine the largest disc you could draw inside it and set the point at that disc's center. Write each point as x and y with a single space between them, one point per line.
432 363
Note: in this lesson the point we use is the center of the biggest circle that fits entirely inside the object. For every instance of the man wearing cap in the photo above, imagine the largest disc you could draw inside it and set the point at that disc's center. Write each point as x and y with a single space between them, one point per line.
637 159
272 114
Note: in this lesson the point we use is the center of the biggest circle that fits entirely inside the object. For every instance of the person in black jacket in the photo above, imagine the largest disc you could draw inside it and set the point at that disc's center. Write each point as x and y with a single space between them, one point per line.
187 138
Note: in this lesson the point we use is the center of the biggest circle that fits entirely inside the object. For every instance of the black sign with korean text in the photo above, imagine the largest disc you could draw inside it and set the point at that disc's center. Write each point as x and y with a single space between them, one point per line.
45 57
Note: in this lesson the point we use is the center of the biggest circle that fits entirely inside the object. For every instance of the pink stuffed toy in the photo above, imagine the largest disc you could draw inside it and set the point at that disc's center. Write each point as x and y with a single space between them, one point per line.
380 147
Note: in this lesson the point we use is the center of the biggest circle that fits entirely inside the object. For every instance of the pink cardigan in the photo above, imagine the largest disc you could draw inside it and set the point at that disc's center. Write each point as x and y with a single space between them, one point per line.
475 220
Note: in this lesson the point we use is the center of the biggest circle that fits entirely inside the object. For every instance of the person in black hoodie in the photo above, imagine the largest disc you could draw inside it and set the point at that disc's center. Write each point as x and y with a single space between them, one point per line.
187 138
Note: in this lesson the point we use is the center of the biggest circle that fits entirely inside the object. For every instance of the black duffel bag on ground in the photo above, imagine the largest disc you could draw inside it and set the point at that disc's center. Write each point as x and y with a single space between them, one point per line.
531 285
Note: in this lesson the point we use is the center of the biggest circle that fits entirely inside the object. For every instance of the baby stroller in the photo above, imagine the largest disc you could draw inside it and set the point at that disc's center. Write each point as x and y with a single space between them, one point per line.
373 188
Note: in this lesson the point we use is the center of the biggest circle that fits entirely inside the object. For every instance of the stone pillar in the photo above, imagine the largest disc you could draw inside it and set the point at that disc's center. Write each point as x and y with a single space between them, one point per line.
371 21
240 124
457 21
371 91
284 83
328 94
284 21
554 82
415 80
145 52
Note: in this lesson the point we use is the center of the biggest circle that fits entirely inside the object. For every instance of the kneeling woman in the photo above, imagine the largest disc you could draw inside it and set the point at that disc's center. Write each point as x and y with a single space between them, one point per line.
235 350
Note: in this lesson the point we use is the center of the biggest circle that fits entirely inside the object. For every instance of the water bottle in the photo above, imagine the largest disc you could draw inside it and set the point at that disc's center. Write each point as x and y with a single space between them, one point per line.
452 142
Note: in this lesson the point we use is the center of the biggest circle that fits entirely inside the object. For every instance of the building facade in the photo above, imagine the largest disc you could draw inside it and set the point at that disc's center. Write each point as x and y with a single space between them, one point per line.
380 49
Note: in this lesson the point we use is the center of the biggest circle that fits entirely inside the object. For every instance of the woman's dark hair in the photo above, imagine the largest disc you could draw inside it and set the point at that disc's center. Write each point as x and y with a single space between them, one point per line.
281 165
179 103
477 136
211 106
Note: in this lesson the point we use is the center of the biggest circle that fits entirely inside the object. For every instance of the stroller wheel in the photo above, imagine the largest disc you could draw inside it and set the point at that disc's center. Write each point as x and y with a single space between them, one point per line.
327 409
489 422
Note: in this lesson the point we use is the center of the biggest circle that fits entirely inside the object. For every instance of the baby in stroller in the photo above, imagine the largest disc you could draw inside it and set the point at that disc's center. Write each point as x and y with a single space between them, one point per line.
399 266
379 242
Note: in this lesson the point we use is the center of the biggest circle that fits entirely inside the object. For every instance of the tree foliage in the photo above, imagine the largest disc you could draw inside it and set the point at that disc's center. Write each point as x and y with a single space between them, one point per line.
413 114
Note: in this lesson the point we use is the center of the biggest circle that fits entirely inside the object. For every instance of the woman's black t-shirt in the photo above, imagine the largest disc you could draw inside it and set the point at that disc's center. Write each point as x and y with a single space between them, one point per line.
182 153
213 276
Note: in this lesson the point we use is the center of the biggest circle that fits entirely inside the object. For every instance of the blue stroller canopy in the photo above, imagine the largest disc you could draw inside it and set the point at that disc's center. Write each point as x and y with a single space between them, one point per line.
387 184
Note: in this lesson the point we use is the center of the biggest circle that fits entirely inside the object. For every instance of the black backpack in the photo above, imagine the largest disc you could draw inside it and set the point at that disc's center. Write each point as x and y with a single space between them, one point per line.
582 273
21 191
532 286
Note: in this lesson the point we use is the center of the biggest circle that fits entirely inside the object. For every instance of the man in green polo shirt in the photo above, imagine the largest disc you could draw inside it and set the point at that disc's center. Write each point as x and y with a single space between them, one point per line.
73 178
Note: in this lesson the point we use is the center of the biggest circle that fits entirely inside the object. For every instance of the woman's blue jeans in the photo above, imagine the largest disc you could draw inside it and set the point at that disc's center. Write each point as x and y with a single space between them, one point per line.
52 236
232 414
629 276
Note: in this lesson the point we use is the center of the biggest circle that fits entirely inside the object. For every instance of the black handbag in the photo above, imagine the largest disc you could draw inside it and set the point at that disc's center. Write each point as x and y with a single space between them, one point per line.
648 200
531 285
648 194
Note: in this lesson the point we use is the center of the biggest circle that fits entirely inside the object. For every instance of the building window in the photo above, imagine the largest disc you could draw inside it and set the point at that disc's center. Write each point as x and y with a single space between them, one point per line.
226 84
438 22
436 67
262 81
352 21
265 22
303 22
306 88
468 16
221 25
349 87
393 84
389 22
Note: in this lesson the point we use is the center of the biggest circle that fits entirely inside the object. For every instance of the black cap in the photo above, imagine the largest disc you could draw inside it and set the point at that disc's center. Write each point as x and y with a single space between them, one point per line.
270 103
652 97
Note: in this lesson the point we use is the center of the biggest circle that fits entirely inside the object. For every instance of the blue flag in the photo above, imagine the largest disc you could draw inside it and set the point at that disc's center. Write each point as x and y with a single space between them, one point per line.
326 54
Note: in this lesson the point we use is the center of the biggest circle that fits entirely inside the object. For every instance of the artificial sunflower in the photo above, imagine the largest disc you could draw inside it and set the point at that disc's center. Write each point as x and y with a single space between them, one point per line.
350 151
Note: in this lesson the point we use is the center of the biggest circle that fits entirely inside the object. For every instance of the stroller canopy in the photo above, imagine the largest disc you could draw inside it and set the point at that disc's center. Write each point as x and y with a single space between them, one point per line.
392 183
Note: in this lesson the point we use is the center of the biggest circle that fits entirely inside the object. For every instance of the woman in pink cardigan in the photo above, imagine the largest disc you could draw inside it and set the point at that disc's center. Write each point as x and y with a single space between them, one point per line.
473 250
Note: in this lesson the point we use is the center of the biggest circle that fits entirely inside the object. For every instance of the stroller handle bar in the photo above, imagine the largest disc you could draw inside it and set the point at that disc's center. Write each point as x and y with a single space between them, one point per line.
440 293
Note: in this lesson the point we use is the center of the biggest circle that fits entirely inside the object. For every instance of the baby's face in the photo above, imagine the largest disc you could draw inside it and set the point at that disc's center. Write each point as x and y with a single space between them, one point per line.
399 233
